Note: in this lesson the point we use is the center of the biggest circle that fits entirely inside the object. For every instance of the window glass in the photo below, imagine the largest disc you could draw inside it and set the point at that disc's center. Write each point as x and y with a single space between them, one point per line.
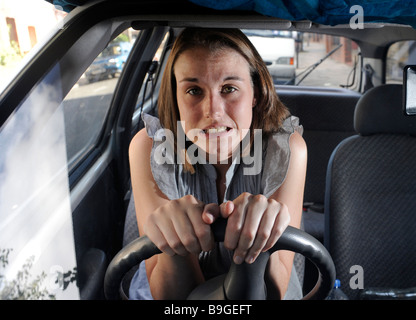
37 254
39 142
87 104
301 58
399 55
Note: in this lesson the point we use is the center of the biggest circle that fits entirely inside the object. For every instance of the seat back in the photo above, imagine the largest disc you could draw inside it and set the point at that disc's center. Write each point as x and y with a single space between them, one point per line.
370 205
326 115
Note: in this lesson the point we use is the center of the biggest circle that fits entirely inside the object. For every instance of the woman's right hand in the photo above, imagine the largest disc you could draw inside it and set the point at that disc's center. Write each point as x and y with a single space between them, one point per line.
182 226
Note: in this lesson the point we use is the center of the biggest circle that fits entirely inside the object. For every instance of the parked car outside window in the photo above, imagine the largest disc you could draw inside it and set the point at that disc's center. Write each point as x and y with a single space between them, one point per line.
109 63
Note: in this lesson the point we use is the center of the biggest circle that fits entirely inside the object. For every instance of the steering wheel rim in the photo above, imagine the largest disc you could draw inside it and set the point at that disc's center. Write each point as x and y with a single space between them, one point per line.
292 239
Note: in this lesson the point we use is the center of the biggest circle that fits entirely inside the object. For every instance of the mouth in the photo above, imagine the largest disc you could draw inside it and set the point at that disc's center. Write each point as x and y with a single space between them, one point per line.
216 130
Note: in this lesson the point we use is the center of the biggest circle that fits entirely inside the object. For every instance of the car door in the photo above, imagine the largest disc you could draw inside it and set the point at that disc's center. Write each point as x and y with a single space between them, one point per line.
63 165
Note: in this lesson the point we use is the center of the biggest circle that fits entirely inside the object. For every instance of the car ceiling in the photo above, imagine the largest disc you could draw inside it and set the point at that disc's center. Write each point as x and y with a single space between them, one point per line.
321 16
324 12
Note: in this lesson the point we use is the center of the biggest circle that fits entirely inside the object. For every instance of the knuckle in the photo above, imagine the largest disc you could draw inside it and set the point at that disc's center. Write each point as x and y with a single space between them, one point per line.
163 246
173 205
191 244
242 252
280 228
176 245
255 253
284 208
260 198
276 206
248 235
234 228
262 235
274 203
202 233
191 199
246 195
188 197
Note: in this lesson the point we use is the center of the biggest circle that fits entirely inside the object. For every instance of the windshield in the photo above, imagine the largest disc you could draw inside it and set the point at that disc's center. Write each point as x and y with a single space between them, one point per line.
308 59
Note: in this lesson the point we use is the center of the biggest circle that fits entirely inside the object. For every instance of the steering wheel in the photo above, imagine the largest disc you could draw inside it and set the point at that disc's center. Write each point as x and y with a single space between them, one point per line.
243 281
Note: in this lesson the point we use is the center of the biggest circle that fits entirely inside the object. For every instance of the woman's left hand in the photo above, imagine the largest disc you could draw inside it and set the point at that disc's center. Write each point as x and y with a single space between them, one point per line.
254 225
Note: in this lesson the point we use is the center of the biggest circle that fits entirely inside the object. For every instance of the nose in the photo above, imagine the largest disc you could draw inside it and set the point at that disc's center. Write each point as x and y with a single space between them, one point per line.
213 106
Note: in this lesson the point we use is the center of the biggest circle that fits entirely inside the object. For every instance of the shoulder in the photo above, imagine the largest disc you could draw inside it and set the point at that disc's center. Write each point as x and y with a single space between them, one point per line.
297 145
140 145
141 139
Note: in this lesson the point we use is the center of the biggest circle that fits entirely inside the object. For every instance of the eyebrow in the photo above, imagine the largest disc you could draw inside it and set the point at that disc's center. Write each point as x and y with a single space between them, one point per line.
190 79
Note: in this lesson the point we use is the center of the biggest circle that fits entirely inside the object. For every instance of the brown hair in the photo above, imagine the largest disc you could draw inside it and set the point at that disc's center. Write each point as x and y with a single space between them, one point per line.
269 112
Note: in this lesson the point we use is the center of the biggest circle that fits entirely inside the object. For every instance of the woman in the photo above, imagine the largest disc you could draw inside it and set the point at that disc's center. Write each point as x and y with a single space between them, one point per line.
216 91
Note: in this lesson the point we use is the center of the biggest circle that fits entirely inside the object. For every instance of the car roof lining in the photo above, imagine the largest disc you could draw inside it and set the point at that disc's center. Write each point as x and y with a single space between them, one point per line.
182 13
373 39
335 12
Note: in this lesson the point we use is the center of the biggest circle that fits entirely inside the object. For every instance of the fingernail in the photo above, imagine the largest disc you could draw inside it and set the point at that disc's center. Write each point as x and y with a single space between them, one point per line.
238 260
210 217
250 259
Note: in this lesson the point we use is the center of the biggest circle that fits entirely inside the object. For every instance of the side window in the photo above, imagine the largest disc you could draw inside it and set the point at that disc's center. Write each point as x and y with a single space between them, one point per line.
308 59
87 104
37 254
399 55
39 142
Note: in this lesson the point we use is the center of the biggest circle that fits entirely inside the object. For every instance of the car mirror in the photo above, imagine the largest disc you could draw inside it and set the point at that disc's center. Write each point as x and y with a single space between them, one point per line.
409 93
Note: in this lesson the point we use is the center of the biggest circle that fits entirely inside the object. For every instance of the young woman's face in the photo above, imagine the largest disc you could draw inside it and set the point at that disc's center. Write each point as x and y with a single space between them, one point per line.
215 97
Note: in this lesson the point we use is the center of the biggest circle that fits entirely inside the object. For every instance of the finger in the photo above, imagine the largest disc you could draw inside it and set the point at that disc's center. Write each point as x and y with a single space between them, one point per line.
281 222
210 213
201 228
255 211
264 231
226 209
185 224
236 221
173 239
156 235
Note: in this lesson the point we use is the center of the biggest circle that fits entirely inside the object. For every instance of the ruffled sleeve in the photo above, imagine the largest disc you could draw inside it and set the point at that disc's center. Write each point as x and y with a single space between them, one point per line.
162 157
276 162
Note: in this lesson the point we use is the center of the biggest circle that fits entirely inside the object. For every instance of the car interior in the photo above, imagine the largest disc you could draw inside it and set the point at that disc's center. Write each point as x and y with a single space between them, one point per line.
360 185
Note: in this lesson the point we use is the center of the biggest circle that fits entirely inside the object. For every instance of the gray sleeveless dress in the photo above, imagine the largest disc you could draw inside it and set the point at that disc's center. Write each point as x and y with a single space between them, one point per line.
175 183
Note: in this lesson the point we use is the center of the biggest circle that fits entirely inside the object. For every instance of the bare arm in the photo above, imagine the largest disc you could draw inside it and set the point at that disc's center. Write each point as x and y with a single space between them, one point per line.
174 273
248 232
291 194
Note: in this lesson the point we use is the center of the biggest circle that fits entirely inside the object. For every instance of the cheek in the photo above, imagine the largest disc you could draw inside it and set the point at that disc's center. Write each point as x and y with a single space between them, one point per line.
189 116
243 115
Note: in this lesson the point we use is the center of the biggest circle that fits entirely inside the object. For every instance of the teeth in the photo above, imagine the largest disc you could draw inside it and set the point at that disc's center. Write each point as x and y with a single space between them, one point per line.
216 130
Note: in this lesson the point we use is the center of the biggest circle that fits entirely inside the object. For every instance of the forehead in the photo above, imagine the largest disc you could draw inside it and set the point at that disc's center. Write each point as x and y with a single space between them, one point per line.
204 60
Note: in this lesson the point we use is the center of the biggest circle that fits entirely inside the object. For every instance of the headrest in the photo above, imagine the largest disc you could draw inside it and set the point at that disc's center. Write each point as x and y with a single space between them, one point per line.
380 110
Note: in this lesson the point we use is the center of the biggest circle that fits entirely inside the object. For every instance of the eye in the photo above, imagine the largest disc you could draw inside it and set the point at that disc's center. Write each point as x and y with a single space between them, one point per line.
228 89
194 91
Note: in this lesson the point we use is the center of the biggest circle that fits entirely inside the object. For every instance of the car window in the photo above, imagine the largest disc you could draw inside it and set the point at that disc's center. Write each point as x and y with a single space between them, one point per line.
87 104
40 142
37 251
303 58
399 55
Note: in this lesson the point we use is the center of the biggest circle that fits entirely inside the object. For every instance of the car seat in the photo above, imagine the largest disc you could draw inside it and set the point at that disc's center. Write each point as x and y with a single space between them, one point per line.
370 205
